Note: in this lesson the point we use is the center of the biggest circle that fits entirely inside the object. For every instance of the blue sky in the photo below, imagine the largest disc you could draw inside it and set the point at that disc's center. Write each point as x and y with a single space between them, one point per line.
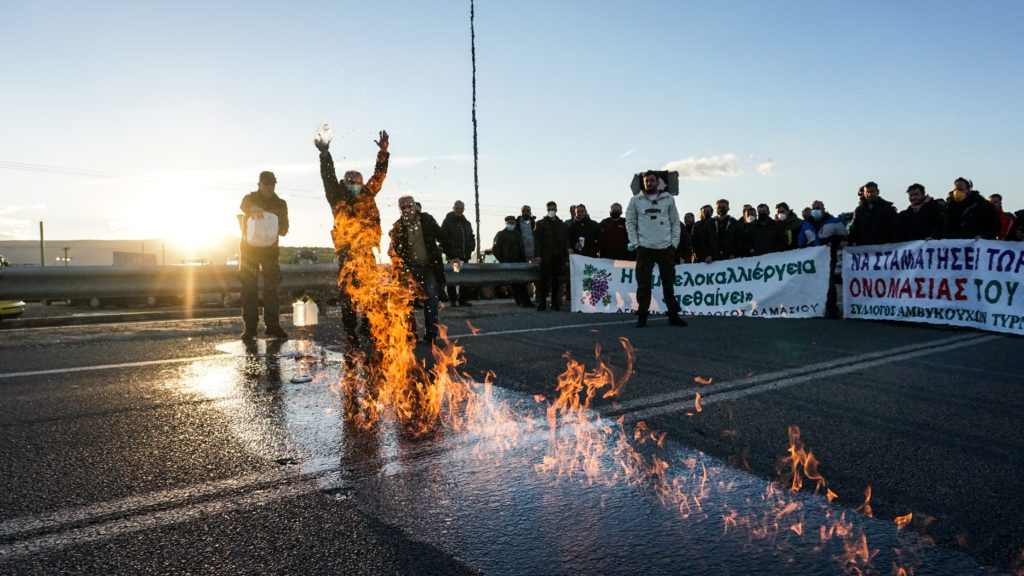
144 119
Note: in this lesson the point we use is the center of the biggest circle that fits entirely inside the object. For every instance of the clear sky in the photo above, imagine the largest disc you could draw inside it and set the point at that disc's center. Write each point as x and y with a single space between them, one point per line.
146 119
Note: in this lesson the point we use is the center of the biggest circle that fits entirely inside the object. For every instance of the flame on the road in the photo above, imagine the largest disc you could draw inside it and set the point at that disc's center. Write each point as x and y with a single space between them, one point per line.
800 464
903 521
472 328
703 381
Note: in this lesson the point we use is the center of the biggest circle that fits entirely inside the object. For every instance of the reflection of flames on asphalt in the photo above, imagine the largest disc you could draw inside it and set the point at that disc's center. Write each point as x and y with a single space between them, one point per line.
389 383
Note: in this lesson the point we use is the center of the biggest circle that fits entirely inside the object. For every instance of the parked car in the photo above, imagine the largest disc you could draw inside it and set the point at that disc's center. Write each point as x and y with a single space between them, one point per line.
11 309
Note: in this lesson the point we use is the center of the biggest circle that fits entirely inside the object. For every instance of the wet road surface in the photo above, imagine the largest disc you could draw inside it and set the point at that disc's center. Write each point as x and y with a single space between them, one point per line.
171 447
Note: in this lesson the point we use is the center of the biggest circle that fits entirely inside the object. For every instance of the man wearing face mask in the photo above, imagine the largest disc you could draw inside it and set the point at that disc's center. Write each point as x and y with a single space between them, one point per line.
356 225
923 219
763 234
613 235
875 221
653 226
790 223
969 215
416 239
824 229
508 248
552 243
720 237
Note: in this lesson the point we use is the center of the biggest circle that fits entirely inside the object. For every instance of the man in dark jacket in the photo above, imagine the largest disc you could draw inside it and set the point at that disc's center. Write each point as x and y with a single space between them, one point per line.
923 219
552 246
356 229
684 250
584 233
764 235
875 221
613 236
969 215
461 243
508 248
262 204
697 245
416 240
719 238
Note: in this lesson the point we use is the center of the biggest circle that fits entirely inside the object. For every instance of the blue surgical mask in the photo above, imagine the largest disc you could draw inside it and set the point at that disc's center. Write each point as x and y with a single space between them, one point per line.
816 214
354 188
510 227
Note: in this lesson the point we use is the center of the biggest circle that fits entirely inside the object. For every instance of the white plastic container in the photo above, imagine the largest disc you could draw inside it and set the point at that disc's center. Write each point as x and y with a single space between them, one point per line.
305 312
261 232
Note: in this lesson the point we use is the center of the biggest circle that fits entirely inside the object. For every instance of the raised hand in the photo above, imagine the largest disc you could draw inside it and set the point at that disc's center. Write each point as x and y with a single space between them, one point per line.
383 142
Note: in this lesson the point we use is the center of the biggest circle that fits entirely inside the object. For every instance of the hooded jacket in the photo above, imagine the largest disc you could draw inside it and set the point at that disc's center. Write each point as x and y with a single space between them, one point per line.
653 221
461 240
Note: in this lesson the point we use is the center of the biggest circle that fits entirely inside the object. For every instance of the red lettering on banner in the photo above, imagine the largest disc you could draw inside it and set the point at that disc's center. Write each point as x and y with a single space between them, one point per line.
905 290
944 289
960 282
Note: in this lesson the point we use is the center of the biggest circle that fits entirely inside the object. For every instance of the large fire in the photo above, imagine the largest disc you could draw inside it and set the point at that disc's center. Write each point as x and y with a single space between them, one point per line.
389 383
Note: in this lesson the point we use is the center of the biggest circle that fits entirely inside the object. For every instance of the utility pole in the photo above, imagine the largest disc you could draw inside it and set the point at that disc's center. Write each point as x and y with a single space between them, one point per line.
476 173
42 249
65 249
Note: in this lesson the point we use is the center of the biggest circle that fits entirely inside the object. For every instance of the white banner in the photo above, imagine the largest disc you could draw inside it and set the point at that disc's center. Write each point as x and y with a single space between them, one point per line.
973 283
790 284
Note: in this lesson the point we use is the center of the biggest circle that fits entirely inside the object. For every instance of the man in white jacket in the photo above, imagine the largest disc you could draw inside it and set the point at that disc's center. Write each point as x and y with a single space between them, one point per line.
652 224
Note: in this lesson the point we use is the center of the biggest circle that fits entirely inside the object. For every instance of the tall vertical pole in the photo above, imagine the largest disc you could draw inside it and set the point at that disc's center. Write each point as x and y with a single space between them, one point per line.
42 249
476 172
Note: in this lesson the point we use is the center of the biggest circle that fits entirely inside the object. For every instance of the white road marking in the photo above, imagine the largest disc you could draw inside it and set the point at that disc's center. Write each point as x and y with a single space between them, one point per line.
713 397
769 376
113 366
146 521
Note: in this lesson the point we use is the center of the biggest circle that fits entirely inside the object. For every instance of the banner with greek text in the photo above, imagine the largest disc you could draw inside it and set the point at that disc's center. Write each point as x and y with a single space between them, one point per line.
790 284
973 283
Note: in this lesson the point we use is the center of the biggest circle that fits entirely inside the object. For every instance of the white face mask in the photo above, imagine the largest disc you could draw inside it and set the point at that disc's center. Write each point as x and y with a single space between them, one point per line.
510 227
782 217
551 213
750 219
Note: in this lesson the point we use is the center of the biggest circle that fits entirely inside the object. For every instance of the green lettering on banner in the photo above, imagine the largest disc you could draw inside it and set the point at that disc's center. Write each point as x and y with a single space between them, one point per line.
627 276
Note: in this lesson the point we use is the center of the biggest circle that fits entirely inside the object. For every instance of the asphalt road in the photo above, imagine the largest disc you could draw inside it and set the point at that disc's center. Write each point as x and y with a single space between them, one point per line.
166 447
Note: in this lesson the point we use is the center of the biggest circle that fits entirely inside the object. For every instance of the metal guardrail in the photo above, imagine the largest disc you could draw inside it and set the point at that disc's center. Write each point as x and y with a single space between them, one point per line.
58 283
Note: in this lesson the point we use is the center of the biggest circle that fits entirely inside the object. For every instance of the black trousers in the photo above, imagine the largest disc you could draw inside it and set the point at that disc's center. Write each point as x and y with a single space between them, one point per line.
665 259
551 275
252 261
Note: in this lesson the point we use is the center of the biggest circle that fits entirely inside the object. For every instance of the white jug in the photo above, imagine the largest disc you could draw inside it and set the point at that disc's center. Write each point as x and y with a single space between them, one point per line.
261 231
305 312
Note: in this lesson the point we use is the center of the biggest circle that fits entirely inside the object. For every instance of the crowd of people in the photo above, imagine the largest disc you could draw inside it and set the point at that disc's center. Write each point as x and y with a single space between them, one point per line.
650 231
